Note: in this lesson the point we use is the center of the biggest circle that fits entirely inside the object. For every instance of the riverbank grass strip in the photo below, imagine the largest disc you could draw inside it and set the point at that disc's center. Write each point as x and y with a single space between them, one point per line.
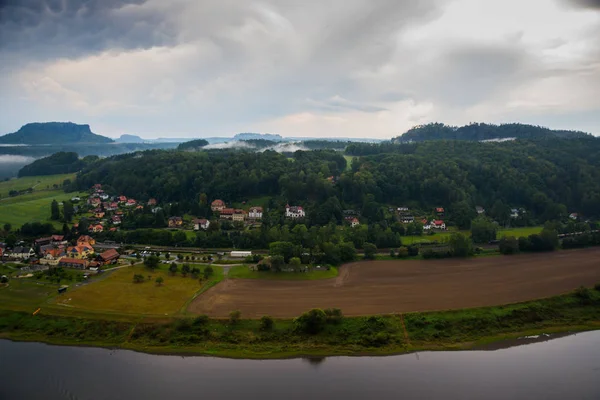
316 333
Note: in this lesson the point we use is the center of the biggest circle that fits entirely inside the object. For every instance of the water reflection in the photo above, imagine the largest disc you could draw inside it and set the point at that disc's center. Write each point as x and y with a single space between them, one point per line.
562 368
314 361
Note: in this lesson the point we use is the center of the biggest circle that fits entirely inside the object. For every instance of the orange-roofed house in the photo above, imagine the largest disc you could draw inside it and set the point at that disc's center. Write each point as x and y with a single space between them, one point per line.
217 205
85 239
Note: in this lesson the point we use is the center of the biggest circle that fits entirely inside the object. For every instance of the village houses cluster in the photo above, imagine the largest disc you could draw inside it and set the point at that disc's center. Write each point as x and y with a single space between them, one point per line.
108 211
55 251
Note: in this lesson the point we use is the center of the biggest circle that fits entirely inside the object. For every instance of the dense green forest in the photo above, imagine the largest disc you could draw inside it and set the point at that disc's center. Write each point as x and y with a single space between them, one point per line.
57 163
546 178
38 133
478 131
192 144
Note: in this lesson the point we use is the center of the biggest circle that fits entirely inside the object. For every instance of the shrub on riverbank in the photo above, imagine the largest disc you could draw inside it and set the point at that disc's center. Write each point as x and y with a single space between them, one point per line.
328 332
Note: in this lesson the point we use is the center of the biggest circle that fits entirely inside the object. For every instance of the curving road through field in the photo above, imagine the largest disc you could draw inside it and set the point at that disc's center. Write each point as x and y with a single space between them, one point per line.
381 287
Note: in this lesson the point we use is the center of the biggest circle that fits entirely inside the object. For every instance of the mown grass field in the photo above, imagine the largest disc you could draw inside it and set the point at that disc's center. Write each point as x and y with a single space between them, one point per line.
443 236
518 232
26 294
243 272
348 161
118 293
252 202
38 183
33 207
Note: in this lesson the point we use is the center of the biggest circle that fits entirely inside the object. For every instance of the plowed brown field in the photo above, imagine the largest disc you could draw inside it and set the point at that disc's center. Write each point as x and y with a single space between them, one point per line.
381 287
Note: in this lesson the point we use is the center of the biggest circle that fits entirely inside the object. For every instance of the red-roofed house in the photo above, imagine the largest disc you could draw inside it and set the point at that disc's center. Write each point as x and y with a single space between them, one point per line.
439 210
354 222
122 199
227 213
108 257
438 224
130 203
73 263
201 224
96 228
217 205
239 215
152 202
85 239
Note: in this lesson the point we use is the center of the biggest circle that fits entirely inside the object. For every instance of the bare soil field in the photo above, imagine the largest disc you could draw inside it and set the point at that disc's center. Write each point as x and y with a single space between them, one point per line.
382 287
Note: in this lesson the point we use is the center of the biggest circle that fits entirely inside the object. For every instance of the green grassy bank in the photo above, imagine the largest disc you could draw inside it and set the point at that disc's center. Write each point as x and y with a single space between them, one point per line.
377 335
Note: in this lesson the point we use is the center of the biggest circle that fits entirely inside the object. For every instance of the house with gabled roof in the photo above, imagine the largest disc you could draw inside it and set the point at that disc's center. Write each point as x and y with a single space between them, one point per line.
175 222
294 212
73 263
201 224
239 215
226 213
217 205
22 253
438 224
255 213
109 256
85 239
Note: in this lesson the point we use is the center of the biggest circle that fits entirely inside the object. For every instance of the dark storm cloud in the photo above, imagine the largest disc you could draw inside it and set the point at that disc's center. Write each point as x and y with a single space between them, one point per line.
593 4
59 28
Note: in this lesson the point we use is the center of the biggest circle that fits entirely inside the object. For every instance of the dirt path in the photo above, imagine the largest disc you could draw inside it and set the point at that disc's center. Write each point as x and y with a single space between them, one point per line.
379 287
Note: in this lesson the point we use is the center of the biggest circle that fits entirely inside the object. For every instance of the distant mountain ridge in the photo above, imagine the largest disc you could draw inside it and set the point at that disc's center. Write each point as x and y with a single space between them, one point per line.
481 131
125 138
39 133
252 136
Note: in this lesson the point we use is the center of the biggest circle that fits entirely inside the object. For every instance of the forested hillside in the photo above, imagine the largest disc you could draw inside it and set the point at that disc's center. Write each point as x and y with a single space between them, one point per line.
547 178
192 144
477 132
58 163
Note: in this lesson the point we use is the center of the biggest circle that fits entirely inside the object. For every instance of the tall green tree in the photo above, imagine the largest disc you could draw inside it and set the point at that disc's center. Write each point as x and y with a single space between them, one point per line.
68 211
151 262
462 214
460 245
54 211
370 251
483 230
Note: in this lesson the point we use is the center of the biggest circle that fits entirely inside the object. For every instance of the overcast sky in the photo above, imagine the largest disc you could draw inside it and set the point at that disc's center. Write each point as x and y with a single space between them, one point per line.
322 68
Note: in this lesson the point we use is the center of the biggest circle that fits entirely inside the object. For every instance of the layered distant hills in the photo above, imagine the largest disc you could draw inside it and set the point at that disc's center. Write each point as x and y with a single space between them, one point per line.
479 132
42 133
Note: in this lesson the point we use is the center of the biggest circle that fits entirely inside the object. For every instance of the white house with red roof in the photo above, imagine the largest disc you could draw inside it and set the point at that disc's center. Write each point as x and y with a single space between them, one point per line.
354 222
438 224
201 223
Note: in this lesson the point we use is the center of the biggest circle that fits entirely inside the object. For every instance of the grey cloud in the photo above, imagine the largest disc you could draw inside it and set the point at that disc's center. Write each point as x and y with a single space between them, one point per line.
339 104
468 74
55 28
593 4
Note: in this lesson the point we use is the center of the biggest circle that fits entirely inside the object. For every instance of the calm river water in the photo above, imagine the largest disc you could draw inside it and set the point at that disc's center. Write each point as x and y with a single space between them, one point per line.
565 368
